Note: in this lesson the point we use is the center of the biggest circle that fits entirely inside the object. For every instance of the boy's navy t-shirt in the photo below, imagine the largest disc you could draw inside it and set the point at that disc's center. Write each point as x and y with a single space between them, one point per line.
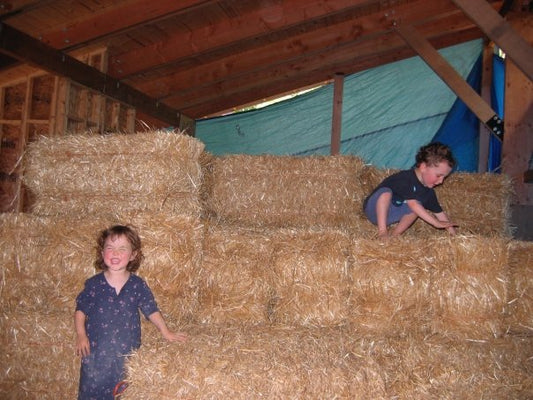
406 186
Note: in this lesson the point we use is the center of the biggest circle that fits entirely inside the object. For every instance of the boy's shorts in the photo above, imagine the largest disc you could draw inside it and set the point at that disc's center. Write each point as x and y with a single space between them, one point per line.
395 212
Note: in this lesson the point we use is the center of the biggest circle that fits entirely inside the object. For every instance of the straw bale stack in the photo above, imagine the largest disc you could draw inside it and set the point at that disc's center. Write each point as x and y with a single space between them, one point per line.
479 203
94 174
232 362
435 367
281 288
234 284
43 265
520 316
38 359
281 276
310 275
46 260
285 191
391 285
470 287
455 286
221 362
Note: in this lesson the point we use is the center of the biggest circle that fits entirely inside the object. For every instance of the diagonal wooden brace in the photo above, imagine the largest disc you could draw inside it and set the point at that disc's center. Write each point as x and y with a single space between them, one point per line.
452 78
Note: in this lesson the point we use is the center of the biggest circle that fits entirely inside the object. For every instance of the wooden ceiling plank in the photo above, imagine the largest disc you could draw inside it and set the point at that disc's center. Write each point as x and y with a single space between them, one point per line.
231 36
500 32
27 49
276 87
10 7
288 52
123 17
452 78
307 71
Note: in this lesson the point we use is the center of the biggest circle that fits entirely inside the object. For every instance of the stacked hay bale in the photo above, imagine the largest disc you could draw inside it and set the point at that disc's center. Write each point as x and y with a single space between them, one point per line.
282 191
297 300
273 270
81 185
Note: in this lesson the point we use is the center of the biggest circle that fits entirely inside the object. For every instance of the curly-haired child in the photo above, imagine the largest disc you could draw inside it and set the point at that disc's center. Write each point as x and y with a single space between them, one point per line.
407 195
107 320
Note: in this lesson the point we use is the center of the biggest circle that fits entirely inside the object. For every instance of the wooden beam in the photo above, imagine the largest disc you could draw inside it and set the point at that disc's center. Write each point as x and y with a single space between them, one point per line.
249 31
450 76
235 91
27 49
500 32
336 120
127 15
517 149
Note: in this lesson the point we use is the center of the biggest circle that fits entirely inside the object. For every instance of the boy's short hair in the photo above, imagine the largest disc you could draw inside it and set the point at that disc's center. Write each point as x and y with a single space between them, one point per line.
434 153
119 230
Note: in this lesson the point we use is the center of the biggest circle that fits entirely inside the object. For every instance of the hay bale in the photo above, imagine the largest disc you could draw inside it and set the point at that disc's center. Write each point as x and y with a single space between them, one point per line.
234 285
279 362
391 282
479 203
435 367
520 316
46 260
310 276
267 275
469 295
93 174
286 191
229 362
38 358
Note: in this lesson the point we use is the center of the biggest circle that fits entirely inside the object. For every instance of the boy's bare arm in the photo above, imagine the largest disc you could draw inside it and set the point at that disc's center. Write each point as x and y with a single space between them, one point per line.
443 217
431 219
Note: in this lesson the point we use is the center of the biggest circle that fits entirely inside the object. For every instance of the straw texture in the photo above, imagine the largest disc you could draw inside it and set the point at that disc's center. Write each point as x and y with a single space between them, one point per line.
270 266
92 174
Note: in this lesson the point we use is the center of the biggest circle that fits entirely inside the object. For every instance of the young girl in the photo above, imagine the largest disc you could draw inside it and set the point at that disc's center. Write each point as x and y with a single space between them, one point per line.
107 319
407 195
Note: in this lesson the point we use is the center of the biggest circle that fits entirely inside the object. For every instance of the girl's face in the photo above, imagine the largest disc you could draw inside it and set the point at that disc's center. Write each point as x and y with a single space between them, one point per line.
433 175
117 253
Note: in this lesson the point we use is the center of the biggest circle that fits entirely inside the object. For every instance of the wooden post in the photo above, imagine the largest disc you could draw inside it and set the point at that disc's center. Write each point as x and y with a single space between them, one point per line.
518 144
338 86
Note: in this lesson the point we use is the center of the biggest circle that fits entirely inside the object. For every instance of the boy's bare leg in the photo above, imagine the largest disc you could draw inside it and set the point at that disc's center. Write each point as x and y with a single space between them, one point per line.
382 210
405 222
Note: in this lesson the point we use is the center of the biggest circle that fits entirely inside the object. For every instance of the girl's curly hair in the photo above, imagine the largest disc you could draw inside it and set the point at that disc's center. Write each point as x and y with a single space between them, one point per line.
119 230
434 153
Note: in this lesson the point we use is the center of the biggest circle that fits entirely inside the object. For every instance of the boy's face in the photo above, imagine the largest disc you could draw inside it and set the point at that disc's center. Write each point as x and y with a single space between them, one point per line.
117 253
433 175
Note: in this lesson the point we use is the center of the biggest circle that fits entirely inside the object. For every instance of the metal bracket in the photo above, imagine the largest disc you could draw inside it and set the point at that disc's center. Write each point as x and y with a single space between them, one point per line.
495 124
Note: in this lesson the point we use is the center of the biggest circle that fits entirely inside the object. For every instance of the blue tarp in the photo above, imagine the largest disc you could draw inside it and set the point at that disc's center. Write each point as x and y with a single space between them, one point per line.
388 113
497 101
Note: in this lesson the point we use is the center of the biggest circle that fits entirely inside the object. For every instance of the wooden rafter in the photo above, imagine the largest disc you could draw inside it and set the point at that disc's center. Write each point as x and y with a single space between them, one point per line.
26 49
450 76
248 31
500 32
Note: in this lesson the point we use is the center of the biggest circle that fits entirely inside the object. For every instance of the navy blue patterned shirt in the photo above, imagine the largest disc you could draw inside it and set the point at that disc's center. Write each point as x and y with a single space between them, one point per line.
113 326
112 322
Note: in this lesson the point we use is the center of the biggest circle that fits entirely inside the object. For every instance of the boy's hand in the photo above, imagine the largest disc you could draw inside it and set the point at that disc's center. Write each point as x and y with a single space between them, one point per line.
83 347
445 224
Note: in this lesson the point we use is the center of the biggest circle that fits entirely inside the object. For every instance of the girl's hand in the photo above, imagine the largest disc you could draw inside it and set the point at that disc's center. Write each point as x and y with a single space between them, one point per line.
175 336
83 347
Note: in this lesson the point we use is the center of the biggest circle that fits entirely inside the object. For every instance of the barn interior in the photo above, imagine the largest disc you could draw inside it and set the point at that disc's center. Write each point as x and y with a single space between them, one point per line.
265 260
